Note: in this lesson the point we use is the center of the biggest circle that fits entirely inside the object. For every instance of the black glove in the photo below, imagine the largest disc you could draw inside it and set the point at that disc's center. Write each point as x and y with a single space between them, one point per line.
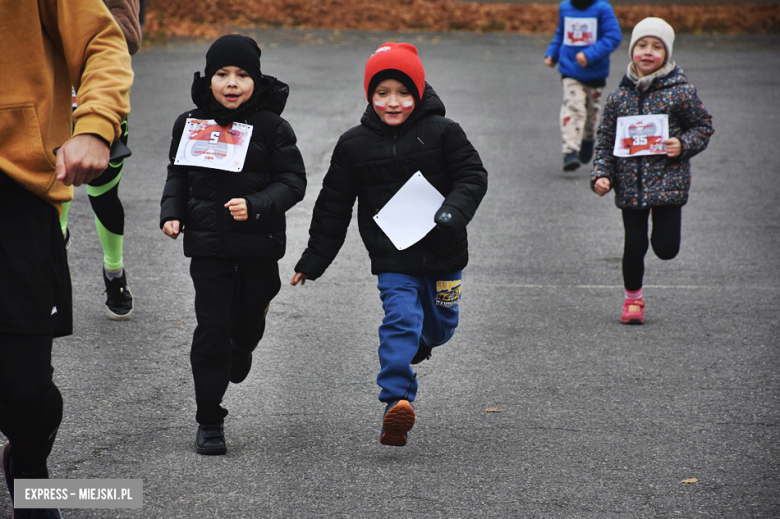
449 219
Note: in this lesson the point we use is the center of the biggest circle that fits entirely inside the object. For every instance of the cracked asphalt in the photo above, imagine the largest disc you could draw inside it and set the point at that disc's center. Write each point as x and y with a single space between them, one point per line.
594 419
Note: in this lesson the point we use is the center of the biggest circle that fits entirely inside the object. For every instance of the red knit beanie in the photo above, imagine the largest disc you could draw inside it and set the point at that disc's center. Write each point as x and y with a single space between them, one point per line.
397 61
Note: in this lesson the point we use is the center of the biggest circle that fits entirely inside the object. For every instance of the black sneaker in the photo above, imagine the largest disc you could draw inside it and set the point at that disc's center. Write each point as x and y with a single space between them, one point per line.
119 301
239 369
210 439
571 161
586 151
423 353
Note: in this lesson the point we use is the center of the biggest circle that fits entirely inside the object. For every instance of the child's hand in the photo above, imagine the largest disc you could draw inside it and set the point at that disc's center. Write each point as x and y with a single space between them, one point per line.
673 147
172 228
549 61
238 209
299 277
602 186
582 60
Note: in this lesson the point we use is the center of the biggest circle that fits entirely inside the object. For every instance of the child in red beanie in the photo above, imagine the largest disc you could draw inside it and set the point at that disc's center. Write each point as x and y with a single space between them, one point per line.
402 134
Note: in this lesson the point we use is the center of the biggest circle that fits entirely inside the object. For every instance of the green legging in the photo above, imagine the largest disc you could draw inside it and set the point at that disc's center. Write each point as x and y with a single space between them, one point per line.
103 195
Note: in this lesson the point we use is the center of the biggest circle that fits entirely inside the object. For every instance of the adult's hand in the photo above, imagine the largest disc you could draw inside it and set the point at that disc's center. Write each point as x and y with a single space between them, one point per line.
82 159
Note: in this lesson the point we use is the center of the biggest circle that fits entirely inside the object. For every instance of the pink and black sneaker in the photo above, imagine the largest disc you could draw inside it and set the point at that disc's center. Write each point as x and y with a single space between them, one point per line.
633 311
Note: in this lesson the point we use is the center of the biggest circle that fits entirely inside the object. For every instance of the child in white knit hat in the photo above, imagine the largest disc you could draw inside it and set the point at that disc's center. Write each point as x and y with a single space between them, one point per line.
652 125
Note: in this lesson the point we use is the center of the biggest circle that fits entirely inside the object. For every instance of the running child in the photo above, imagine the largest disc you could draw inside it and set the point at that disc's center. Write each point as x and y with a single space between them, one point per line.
588 32
652 125
234 171
403 131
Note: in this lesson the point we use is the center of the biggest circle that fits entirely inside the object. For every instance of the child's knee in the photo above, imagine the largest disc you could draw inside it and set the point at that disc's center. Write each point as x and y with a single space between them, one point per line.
666 251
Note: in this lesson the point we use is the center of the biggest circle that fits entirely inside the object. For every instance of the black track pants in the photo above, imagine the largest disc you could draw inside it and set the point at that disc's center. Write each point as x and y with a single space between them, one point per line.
231 301
30 403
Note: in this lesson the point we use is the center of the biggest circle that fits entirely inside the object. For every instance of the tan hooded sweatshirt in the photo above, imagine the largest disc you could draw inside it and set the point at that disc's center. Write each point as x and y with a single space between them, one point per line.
49 45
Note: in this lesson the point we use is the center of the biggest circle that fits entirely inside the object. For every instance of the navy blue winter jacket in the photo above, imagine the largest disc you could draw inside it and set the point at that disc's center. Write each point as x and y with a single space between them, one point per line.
607 38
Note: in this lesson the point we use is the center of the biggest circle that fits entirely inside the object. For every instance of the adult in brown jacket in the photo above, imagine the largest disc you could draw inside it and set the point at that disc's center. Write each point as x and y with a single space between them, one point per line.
48 45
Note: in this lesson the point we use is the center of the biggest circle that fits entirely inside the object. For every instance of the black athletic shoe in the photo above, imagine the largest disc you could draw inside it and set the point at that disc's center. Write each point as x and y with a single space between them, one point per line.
211 439
119 301
571 161
423 353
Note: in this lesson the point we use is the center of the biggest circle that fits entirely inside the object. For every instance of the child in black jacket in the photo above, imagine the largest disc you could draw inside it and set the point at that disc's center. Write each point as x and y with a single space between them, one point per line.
234 171
403 131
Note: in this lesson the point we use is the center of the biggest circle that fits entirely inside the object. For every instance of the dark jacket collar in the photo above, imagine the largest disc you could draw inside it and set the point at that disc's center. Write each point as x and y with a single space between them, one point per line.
582 4
430 104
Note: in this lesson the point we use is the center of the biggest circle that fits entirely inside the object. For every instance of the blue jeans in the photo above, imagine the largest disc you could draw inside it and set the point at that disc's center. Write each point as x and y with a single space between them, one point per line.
417 309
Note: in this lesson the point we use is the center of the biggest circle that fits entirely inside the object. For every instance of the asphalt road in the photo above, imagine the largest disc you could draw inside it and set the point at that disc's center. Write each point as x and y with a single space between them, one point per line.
596 419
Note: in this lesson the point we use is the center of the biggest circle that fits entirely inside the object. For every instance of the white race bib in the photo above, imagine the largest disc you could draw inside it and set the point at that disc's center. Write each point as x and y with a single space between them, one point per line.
641 135
206 144
580 32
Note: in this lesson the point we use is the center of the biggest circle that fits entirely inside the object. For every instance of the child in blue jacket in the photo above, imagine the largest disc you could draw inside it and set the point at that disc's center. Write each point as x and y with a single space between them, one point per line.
588 31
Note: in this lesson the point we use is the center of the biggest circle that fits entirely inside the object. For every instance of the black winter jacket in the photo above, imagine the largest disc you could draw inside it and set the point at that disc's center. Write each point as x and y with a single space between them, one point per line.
371 162
272 180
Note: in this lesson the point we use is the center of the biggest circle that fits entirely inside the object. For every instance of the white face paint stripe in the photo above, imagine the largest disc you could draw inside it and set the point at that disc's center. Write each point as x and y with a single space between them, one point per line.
408 104
379 104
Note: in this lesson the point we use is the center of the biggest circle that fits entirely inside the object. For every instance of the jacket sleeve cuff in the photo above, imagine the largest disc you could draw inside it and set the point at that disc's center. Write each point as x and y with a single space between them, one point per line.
95 124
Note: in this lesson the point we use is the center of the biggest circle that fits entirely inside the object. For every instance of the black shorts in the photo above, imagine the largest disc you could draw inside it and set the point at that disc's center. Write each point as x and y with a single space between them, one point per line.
35 290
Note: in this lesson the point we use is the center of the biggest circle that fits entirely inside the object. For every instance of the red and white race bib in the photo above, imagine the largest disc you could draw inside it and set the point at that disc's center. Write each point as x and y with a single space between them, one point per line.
206 144
579 32
641 135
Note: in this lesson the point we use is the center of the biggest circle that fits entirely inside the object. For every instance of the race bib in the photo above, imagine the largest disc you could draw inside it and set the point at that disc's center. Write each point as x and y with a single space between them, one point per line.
580 32
641 135
206 144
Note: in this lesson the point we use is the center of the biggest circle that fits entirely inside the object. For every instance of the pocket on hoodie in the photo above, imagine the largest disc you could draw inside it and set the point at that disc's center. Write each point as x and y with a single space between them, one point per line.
24 157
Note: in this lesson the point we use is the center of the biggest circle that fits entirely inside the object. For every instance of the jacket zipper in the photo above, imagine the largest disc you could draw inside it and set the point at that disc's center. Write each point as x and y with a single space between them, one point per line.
220 220
640 185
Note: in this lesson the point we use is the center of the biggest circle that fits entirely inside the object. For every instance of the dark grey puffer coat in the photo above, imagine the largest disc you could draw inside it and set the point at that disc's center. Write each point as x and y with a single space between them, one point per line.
272 181
648 181
370 163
